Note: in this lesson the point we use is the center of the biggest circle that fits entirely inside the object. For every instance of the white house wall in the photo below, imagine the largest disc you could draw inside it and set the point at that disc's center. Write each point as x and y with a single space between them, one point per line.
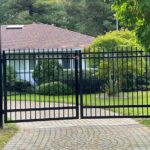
26 73
25 76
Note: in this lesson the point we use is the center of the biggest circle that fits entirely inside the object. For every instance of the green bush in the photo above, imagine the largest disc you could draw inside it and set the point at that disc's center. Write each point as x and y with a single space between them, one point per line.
22 86
90 83
114 71
47 71
55 88
120 39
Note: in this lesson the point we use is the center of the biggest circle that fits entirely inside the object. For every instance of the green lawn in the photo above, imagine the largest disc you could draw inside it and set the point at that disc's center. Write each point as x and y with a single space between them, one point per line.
98 99
145 121
6 134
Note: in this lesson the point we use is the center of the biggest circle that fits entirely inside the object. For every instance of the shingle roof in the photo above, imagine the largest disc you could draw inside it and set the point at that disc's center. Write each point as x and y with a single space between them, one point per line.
35 36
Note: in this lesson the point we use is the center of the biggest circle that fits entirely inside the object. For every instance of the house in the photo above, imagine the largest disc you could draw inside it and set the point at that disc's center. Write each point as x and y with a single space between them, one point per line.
40 37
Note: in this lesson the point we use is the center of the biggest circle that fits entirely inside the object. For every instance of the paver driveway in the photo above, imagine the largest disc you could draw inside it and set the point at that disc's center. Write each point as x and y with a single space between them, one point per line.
103 134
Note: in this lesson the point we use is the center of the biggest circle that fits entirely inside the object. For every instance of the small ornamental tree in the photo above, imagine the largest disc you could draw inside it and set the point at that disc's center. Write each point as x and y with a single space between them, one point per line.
118 70
47 71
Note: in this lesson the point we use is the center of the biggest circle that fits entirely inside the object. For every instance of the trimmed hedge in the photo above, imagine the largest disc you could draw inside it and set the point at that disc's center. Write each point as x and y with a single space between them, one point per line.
54 88
90 83
22 86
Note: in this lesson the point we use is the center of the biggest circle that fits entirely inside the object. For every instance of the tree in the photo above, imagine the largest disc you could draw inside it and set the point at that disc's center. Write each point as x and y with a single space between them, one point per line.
27 5
47 71
118 71
85 16
28 11
97 18
5 13
74 10
89 17
134 14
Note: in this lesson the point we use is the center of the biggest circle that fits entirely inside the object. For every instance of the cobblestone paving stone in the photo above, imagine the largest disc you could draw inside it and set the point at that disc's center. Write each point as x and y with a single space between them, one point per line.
96 134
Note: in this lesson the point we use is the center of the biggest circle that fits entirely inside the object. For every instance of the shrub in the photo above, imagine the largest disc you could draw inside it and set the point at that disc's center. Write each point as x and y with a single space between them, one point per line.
55 88
114 71
120 39
22 86
90 83
47 71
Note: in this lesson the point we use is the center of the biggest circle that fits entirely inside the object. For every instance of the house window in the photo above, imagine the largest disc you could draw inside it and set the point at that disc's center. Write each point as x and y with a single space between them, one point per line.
20 65
31 64
66 62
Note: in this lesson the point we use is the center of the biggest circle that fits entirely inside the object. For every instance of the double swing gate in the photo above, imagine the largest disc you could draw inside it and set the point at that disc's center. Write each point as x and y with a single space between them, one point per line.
69 84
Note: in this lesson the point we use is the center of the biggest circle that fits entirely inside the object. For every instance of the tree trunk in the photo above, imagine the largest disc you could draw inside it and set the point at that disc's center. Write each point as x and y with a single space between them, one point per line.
30 10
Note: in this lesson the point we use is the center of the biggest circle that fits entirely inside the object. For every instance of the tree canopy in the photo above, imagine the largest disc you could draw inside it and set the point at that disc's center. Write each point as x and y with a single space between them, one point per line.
85 16
90 17
28 11
135 14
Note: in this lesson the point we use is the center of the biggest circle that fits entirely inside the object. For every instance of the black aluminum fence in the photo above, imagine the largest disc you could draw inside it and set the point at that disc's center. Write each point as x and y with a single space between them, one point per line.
35 85
52 84
119 84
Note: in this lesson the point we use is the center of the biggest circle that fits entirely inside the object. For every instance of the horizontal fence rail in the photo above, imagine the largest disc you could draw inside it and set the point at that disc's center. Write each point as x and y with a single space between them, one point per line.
52 84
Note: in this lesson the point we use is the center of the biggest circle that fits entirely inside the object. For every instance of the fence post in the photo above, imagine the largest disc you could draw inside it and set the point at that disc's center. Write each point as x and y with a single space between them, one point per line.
80 83
1 93
77 83
4 86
